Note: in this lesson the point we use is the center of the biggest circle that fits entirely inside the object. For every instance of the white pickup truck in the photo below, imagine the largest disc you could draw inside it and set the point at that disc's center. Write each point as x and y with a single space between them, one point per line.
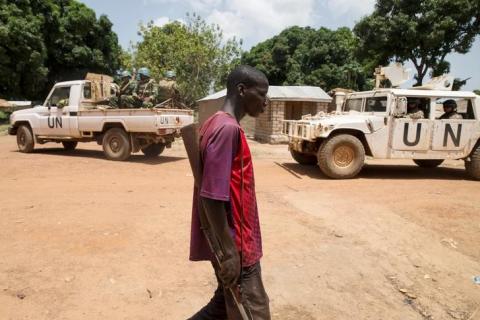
70 115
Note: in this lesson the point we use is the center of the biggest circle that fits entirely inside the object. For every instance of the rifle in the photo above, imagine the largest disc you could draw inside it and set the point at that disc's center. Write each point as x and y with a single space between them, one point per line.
191 140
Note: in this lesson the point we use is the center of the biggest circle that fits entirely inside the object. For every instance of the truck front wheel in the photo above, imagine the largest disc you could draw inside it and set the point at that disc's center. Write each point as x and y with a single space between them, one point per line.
341 157
304 158
116 144
69 145
473 165
25 141
153 150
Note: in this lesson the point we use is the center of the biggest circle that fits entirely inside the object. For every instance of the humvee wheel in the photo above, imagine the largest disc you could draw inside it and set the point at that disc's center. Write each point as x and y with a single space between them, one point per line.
341 157
25 141
116 144
428 163
473 165
153 150
69 145
303 158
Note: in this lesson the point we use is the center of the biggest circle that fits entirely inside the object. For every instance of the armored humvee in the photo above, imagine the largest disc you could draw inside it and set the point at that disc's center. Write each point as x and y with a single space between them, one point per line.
376 124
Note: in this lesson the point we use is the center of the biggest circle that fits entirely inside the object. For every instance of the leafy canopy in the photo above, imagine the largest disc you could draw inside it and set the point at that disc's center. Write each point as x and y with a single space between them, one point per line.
196 51
305 56
422 31
43 41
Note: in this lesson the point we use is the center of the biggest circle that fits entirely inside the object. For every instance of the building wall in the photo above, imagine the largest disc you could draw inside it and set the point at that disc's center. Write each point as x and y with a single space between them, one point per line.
209 107
268 126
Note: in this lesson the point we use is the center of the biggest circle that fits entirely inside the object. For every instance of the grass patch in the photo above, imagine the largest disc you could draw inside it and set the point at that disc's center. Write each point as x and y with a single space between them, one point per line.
3 129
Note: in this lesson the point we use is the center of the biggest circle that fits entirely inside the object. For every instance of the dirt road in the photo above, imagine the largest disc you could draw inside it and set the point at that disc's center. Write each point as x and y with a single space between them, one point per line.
87 238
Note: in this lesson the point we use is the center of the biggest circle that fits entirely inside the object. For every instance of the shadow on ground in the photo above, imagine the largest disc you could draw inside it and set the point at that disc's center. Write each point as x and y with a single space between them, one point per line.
98 154
377 171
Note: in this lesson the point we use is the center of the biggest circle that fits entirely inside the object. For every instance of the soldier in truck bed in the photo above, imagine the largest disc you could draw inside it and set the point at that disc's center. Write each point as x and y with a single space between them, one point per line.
146 89
126 85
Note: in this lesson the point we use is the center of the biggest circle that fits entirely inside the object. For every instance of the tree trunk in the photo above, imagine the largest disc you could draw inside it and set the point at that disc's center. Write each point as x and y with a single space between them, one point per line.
421 73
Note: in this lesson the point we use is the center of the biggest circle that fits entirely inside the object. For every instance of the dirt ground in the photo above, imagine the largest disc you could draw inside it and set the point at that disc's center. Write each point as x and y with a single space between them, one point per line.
87 238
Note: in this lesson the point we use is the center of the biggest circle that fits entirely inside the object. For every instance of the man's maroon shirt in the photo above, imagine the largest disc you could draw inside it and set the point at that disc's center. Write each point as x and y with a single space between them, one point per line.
222 144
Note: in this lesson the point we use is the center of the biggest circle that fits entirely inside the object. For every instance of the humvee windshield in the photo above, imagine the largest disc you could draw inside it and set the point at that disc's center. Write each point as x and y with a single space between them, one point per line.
376 104
372 104
353 105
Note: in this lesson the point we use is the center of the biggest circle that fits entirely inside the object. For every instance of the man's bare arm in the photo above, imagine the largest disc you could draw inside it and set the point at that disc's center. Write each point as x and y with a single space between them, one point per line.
217 219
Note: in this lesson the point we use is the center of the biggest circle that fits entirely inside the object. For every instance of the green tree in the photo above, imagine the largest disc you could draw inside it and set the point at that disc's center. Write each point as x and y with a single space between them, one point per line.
44 41
477 92
196 51
126 60
305 56
421 31
22 50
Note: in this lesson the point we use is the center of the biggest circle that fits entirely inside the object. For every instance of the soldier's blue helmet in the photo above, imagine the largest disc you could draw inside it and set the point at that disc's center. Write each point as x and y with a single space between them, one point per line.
126 74
144 72
170 74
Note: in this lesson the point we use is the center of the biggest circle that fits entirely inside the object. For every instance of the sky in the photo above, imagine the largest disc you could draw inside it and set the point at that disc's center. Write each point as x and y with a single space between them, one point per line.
254 21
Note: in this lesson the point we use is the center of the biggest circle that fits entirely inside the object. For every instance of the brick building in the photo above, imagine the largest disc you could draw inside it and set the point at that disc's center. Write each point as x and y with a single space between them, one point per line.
286 103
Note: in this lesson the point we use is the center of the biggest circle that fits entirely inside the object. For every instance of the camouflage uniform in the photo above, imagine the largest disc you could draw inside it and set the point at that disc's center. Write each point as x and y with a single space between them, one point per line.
167 89
415 113
62 103
145 93
451 115
126 98
124 85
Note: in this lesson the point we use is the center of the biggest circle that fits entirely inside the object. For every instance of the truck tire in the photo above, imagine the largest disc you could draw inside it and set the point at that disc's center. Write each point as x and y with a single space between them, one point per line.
303 158
473 166
341 157
428 163
116 144
25 140
69 145
153 150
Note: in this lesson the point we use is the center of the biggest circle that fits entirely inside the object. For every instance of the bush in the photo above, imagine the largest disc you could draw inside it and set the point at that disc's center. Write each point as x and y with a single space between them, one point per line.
4 116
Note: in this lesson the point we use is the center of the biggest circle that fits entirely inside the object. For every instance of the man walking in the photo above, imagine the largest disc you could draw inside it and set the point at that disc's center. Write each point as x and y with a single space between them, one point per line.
227 194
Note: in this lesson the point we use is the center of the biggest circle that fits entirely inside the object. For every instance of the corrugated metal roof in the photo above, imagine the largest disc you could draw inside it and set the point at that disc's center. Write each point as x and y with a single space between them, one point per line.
285 93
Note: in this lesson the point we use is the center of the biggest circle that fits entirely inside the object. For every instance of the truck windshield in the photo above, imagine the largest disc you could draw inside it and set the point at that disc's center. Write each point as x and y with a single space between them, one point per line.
59 94
353 105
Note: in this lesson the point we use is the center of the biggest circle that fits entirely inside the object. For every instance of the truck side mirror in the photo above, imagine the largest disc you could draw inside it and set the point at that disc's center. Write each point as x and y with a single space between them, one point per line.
400 108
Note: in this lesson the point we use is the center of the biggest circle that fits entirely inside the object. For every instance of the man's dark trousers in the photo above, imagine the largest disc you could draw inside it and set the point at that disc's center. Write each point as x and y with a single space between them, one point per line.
254 299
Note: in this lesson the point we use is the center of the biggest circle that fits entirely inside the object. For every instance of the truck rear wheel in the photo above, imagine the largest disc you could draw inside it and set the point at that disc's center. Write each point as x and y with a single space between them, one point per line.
341 157
153 150
69 145
116 144
473 165
25 140
303 158
427 163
